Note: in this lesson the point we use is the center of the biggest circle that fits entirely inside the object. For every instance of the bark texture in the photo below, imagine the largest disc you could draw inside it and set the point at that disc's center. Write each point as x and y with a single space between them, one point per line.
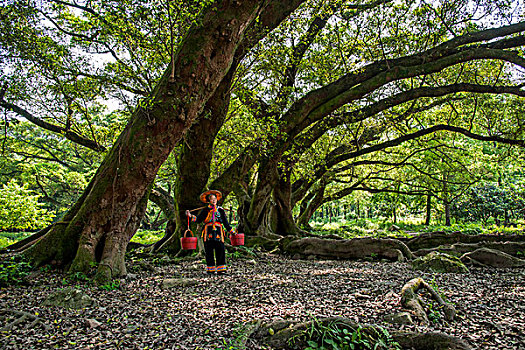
282 220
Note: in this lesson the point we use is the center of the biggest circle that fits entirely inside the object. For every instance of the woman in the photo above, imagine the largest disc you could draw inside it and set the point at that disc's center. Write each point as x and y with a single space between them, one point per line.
215 228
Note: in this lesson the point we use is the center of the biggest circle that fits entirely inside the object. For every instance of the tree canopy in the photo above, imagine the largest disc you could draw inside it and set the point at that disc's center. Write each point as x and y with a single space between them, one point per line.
284 104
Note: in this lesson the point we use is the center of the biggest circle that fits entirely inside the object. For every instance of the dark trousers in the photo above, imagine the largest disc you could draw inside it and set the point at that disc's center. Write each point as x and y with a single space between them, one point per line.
215 253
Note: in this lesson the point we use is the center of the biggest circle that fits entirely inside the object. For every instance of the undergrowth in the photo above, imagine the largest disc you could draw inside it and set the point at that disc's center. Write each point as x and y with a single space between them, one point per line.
381 228
14 270
337 335
147 236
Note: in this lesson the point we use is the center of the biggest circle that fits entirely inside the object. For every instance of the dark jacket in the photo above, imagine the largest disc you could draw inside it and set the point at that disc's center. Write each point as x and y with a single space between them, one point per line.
216 224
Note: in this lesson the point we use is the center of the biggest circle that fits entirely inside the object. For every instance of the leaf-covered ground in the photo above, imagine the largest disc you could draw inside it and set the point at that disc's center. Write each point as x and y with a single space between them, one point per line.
211 312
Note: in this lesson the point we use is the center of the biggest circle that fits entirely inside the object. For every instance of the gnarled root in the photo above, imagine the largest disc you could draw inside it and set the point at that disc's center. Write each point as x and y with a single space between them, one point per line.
20 317
294 334
411 300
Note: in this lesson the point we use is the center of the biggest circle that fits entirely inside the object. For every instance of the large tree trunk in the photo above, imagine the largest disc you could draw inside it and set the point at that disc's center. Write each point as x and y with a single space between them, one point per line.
282 221
99 226
446 200
312 206
194 161
428 210
447 213
257 216
196 154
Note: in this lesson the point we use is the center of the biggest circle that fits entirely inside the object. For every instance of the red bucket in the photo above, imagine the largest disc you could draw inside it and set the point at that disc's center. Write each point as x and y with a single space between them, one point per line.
237 239
188 243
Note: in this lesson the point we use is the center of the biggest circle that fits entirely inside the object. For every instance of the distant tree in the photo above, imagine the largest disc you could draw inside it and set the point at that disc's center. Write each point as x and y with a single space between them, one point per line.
20 208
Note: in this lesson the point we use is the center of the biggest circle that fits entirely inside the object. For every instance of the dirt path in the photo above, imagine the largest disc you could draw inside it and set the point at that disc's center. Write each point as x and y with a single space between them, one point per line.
213 311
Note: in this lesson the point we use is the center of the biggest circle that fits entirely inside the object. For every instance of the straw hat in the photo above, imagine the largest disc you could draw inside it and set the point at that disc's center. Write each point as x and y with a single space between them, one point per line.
205 194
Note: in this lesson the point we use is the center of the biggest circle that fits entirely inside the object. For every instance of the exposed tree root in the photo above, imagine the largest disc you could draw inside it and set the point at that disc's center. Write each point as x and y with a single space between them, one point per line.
458 249
293 335
28 241
431 240
492 257
357 248
20 317
267 243
429 341
411 300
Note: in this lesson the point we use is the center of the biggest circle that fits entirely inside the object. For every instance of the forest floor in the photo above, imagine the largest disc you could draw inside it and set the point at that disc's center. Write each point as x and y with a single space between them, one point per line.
211 312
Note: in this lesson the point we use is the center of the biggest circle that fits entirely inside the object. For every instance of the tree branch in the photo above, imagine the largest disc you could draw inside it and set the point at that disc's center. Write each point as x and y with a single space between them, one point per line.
68 134
319 103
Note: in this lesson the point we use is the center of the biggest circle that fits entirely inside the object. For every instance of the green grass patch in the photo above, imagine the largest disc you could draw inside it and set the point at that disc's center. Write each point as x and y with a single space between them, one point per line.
382 229
147 236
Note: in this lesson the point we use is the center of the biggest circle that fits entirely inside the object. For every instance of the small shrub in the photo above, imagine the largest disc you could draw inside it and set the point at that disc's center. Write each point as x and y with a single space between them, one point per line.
113 285
239 335
78 277
13 271
339 336
434 314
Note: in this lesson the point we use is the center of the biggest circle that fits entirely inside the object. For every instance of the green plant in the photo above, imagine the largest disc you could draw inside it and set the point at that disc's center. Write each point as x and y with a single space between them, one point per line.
78 277
4 242
239 335
45 268
113 285
434 285
13 271
434 314
235 255
337 335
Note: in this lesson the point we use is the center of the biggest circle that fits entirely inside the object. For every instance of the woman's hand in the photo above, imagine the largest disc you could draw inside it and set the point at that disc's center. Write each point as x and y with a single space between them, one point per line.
188 213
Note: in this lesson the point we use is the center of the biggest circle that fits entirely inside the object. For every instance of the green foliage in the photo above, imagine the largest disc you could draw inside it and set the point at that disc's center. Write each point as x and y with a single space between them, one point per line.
235 255
434 285
78 277
139 258
238 340
4 242
490 200
8 238
380 229
13 271
109 286
20 208
337 335
147 236
242 251
434 314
